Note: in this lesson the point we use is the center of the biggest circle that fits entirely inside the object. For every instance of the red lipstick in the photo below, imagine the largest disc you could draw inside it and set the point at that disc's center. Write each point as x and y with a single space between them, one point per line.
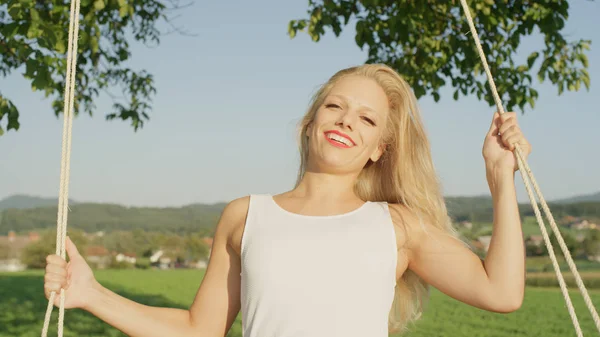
336 143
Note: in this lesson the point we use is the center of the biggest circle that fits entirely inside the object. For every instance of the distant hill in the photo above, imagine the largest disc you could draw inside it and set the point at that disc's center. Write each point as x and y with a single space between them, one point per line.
91 217
458 204
21 201
24 213
461 204
595 197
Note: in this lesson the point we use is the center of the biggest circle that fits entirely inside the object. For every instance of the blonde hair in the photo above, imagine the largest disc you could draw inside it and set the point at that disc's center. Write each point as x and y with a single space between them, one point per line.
404 174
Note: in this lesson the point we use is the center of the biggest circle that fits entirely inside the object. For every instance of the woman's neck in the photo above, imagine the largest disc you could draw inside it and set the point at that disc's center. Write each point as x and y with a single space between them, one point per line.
326 186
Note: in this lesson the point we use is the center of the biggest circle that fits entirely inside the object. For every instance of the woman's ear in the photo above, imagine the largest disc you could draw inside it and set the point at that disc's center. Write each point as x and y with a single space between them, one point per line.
378 152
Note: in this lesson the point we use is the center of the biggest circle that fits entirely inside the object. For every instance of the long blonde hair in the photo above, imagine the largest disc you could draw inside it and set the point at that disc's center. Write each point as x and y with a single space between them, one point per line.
404 174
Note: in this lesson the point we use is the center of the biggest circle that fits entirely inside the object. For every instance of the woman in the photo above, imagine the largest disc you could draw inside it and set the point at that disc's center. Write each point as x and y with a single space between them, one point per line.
351 249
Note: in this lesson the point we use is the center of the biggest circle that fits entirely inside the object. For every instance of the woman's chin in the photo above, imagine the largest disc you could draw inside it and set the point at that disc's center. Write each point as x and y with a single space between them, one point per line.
337 164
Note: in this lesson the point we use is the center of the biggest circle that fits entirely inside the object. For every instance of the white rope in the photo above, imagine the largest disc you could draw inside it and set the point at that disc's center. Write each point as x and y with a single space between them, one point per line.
528 175
65 165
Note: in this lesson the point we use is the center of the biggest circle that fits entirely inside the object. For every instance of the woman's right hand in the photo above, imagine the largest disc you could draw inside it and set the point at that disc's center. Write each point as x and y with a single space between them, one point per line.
75 277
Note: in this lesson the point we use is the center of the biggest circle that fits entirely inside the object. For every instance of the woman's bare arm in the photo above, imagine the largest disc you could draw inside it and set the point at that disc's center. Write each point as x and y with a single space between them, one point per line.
494 284
215 306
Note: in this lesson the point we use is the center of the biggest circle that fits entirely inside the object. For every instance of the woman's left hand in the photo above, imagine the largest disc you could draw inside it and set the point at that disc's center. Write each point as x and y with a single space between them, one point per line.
500 141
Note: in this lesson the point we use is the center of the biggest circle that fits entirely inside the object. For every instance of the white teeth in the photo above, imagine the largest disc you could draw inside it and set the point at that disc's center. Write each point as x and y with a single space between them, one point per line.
339 138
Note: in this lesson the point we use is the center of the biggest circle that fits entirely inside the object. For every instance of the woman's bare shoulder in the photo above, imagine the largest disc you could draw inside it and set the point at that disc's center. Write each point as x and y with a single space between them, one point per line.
237 209
233 220
401 216
406 224
413 228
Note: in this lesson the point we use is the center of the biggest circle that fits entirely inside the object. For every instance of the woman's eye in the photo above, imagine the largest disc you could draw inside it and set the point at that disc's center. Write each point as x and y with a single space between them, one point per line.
332 106
369 120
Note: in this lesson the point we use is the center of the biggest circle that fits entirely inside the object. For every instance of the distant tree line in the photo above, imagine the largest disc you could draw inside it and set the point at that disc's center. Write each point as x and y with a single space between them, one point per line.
106 217
203 218
481 211
142 244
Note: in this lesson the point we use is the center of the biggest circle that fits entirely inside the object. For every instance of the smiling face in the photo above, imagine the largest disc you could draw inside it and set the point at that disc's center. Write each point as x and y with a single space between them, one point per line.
348 126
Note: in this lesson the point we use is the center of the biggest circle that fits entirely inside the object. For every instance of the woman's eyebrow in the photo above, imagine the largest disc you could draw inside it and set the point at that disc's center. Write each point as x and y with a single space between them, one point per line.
362 106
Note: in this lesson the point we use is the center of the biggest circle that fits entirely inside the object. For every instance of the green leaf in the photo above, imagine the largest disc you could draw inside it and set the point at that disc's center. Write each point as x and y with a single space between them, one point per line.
586 80
123 11
8 109
40 81
49 39
99 5
35 15
560 88
583 59
30 68
532 58
291 29
13 123
9 30
585 45
33 31
15 10
84 38
60 47
94 44
419 91
531 101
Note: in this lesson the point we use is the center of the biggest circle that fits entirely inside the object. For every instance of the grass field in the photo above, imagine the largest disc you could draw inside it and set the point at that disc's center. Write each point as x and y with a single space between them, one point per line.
22 307
529 225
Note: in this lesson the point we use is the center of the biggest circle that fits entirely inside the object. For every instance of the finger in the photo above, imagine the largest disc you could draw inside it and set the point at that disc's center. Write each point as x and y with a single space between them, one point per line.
50 277
510 141
48 292
56 297
56 270
56 260
508 115
493 131
71 248
524 146
56 279
50 287
507 125
507 131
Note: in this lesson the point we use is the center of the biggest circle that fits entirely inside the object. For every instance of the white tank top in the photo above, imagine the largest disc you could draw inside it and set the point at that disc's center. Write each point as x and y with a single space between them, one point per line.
317 276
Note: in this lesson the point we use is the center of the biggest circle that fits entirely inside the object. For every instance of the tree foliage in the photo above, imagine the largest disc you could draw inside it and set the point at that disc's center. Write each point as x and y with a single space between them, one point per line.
429 43
570 241
34 254
591 243
4 250
106 217
142 243
34 38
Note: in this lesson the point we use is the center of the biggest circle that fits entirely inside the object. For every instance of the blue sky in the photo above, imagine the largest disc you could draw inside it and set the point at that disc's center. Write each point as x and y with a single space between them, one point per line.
224 118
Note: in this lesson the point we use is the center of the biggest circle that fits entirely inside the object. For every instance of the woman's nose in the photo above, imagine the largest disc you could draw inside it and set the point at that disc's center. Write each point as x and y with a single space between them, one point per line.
347 119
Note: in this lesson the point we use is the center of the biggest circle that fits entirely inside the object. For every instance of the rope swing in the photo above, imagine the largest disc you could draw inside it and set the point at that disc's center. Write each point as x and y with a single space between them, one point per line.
65 164
526 174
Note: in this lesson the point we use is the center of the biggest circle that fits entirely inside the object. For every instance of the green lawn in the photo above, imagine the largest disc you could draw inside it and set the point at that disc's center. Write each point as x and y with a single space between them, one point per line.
22 307
529 226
